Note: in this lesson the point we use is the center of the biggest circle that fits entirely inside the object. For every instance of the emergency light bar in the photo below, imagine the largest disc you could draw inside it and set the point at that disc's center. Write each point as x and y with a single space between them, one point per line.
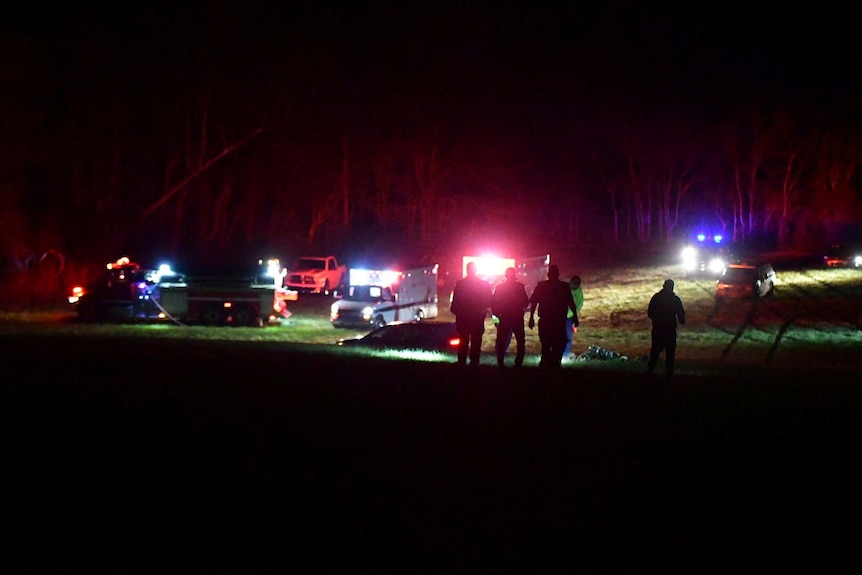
717 238
163 271
366 277
121 262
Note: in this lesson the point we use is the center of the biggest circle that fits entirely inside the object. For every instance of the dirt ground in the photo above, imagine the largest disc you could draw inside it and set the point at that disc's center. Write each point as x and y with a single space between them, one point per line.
123 456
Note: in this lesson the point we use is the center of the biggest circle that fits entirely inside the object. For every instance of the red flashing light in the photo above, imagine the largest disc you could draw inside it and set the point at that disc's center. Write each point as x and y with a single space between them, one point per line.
121 262
488 267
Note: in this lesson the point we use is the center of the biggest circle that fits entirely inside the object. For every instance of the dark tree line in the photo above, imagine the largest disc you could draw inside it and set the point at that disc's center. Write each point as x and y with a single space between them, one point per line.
215 185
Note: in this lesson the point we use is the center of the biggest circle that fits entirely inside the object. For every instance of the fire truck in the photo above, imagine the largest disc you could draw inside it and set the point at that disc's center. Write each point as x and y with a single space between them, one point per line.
252 296
375 298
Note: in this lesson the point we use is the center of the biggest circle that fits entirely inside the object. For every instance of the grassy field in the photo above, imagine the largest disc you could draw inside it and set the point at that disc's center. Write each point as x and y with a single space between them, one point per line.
813 321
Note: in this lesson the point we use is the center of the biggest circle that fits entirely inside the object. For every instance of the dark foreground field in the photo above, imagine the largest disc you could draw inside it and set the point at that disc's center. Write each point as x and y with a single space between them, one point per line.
129 456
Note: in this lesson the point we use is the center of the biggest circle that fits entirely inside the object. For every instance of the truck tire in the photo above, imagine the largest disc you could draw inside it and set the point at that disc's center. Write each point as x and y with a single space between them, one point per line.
245 316
378 322
420 315
212 315
325 289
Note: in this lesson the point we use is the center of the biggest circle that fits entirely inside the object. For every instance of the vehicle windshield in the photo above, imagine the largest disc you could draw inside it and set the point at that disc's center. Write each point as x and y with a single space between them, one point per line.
365 293
733 275
310 264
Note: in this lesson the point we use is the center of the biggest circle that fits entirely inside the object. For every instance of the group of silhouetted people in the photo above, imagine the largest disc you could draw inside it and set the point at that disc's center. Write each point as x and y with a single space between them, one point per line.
552 301
557 304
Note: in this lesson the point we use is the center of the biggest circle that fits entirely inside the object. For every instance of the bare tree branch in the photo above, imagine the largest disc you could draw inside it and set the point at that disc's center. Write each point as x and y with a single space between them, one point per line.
198 171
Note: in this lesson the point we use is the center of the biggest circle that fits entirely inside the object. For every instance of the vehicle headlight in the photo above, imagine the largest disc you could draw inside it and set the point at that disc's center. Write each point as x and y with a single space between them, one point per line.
367 312
689 258
857 261
716 265
333 311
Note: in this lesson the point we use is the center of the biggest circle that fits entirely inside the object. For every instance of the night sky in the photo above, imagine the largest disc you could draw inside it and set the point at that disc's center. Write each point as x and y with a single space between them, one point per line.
464 57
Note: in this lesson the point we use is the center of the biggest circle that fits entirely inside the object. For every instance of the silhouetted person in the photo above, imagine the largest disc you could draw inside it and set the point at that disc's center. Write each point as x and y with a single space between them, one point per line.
553 298
571 329
508 304
471 299
665 310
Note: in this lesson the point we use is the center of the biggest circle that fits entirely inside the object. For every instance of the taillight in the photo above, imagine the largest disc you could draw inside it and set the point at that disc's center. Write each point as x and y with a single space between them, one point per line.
77 292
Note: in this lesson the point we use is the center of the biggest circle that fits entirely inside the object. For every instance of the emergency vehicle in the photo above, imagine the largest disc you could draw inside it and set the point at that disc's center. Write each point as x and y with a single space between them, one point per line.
530 271
251 296
708 255
375 298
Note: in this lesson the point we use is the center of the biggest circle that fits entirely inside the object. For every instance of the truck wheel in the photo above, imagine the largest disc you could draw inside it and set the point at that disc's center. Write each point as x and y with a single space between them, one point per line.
244 316
325 290
379 322
212 315
420 315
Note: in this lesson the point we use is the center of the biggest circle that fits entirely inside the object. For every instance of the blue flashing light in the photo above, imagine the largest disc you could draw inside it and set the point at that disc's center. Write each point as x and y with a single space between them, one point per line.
716 238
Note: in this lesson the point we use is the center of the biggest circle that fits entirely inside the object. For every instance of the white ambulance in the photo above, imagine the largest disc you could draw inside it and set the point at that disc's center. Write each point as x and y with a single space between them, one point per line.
375 298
